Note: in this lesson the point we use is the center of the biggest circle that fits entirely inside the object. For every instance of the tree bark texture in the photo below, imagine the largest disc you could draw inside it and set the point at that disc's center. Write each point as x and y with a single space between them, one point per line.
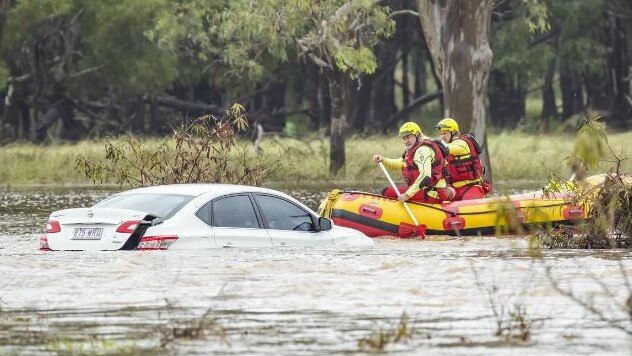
457 34
338 126
39 131
619 65
384 86
549 108
4 9
360 99
572 93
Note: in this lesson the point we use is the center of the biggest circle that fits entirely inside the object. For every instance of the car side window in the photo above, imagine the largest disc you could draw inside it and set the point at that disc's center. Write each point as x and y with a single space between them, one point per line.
280 214
204 213
234 211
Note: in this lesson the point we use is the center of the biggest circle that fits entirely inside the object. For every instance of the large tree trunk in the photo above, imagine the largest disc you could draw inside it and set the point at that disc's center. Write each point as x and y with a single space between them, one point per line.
4 9
69 128
549 108
608 89
572 94
403 40
384 85
420 71
338 95
360 99
457 34
619 69
38 134
273 102
318 96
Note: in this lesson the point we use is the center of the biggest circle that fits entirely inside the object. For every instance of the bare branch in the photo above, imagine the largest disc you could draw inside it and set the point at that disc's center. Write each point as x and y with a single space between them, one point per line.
319 62
403 12
86 71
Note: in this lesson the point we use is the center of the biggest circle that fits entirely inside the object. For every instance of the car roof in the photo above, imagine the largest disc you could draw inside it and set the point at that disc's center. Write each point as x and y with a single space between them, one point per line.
199 189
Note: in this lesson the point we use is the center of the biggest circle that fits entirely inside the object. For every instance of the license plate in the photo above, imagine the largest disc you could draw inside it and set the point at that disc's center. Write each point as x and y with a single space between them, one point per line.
87 233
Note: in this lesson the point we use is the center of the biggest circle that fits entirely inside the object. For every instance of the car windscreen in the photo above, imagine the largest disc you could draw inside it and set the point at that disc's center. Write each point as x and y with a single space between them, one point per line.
157 204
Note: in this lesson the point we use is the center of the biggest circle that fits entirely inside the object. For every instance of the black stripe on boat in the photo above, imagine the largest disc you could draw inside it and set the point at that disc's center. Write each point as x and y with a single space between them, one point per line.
357 218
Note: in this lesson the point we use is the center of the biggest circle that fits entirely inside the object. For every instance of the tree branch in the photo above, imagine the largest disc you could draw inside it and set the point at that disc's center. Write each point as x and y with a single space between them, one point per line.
85 71
411 107
403 12
544 37
182 105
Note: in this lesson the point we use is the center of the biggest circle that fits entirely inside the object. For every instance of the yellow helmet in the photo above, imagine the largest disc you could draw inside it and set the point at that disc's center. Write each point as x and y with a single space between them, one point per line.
447 125
409 128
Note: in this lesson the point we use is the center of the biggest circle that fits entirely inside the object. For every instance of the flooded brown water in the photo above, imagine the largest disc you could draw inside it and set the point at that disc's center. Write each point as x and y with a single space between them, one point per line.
456 294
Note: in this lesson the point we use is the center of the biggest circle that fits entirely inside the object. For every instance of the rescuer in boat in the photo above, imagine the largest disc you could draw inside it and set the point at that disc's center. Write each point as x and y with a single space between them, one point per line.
422 165
465 170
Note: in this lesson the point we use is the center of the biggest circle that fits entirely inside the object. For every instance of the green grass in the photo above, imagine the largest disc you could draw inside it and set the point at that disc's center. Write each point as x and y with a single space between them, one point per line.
515 156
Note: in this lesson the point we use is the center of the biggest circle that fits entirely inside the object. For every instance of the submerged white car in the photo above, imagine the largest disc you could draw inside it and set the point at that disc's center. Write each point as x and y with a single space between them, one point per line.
194 216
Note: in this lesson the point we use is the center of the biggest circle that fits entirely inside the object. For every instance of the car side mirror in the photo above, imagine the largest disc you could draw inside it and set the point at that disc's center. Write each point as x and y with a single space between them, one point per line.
324 224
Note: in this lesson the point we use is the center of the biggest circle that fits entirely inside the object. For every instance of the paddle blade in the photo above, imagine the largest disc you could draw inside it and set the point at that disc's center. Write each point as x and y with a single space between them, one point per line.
408 230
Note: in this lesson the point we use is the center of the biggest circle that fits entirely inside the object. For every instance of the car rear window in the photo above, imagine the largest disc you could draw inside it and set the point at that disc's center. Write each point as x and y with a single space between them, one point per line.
161 205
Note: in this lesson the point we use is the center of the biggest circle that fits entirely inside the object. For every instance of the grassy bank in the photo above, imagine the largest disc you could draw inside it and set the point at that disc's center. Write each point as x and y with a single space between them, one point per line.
514 157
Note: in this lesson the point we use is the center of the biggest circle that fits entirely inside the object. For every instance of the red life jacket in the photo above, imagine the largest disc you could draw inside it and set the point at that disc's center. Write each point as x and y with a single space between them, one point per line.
411 171
462 168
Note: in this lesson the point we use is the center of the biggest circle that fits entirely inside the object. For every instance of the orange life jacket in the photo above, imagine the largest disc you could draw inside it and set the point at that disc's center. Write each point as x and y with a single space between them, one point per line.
462 168
411 171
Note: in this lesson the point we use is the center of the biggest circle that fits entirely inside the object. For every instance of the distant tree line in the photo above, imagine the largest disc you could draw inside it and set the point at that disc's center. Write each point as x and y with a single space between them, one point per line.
73 69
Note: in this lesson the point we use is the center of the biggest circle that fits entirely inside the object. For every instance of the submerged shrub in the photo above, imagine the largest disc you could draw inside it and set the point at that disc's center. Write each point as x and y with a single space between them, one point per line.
609 224
380 339
202 150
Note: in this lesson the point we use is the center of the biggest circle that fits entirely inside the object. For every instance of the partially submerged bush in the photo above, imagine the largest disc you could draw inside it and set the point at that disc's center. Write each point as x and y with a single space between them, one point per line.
202 150
609 224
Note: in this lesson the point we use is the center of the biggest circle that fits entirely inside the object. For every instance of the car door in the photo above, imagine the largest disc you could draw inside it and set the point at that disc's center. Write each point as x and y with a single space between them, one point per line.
236 224
288 224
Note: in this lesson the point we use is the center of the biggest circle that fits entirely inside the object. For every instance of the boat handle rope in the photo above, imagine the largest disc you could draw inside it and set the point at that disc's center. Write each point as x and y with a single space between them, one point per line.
452 213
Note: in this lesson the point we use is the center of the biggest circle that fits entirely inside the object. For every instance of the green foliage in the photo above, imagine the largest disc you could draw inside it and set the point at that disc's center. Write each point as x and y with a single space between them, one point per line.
512 53
610 201
507 219
537 15
610 222
590 144
87 48
581 46
202 150
126 59
336 34
569 31
190 30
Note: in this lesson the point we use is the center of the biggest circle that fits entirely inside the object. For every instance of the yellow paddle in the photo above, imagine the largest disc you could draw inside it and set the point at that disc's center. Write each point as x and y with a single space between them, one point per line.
410 213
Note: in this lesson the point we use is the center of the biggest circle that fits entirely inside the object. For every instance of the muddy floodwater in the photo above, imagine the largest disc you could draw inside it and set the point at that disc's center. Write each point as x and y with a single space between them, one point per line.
474 296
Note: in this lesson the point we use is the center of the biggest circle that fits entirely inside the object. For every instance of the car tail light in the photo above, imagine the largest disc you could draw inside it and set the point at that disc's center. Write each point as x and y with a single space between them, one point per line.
52 226
128 227
44 244
156 242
